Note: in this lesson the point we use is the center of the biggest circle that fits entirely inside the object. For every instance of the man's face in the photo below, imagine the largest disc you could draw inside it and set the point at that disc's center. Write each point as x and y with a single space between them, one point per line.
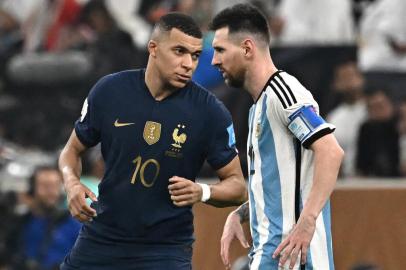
48 188
177 55
348 79
228 57
380 107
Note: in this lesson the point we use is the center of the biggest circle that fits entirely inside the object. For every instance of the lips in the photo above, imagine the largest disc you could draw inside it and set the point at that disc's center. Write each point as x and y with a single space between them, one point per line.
184 77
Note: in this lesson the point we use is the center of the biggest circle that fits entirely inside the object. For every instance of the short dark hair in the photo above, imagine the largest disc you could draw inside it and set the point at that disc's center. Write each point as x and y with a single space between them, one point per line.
181 22
242 18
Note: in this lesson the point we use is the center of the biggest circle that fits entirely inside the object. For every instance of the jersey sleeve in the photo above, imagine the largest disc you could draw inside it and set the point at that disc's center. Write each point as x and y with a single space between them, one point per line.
222 147
87 127
301 116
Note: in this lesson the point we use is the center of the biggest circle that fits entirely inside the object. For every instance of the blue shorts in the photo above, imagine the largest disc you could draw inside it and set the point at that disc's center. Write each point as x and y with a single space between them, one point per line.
152 257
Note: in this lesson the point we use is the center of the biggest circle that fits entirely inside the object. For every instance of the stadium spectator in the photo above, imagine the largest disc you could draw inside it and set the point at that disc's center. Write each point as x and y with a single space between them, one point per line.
13 14
300 23
43 236
51 25
348 83
378 139
49 33
111 49
402 132
383 37
8 202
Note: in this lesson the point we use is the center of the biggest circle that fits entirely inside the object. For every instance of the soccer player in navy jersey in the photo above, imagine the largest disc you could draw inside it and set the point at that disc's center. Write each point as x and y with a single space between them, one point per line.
156 128
293 157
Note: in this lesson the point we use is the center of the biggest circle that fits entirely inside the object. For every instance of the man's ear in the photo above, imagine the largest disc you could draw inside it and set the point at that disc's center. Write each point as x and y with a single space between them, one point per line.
152 47
248 47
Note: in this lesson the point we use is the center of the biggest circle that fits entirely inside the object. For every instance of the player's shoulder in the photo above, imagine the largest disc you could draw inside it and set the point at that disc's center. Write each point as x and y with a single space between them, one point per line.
287 90
121 77
206 103
109 84
203 97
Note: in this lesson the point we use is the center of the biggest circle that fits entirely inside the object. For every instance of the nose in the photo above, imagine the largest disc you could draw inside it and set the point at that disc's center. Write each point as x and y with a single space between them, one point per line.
187 61
215 60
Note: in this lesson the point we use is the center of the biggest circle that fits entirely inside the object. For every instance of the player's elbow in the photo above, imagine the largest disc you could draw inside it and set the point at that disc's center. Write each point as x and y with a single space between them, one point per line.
241 194
340 154
327 148
336 153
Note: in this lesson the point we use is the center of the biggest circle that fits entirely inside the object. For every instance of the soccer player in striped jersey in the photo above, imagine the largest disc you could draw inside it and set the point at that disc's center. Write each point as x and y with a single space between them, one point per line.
293 156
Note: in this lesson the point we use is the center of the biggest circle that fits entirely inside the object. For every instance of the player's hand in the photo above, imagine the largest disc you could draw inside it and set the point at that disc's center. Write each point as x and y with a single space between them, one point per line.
183 191
232 229
78 207
297 242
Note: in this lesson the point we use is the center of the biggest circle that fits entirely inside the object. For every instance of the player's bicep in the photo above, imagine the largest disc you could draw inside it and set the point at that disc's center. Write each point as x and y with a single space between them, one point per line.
75 144
222 147
87 127
233 168
326 143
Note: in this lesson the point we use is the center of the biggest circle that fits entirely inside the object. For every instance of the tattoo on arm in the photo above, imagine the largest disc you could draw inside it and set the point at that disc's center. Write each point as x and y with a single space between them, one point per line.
244 212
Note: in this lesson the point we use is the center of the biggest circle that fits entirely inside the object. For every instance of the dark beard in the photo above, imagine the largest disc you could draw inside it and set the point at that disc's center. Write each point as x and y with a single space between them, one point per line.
236 81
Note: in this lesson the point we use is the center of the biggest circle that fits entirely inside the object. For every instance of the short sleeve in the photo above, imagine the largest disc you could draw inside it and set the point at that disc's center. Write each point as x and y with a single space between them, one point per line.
87 127
301 115
222 148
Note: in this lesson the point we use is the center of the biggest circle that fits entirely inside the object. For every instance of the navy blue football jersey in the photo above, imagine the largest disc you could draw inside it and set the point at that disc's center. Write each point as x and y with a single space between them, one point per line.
145 142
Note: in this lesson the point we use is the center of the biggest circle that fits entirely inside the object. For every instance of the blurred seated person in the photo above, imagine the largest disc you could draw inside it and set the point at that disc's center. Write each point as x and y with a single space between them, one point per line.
47 232
13 13
351 112
89 45
383 37
297 23
51 25
378 140
111 48
402 131
8 202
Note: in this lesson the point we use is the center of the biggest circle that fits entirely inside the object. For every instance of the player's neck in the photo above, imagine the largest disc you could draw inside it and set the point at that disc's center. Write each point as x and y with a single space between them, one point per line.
258 76
155 85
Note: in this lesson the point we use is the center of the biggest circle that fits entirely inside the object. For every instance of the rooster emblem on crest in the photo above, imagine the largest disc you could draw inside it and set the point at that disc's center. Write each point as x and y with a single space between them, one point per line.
178 138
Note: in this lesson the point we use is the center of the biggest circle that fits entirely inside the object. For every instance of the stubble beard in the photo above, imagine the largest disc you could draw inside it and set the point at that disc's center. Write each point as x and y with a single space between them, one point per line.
236 81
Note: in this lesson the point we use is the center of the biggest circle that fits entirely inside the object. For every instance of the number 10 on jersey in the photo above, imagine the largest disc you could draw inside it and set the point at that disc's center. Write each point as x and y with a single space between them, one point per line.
140 168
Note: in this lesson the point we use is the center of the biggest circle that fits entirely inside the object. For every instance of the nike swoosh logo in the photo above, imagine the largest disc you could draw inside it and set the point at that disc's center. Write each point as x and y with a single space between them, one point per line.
117 124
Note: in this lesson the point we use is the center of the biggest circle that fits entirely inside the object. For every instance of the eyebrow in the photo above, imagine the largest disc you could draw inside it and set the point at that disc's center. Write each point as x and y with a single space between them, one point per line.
186 49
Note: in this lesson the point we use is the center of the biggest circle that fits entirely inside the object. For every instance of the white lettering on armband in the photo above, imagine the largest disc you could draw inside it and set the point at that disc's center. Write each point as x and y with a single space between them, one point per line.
304 122
299 128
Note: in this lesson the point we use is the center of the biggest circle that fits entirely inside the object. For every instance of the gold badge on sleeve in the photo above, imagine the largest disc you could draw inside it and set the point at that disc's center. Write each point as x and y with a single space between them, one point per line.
152 132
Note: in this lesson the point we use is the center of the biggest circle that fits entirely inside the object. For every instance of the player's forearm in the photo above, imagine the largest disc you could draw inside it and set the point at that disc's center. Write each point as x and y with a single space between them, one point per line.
70 164
229 192
326 167
243 212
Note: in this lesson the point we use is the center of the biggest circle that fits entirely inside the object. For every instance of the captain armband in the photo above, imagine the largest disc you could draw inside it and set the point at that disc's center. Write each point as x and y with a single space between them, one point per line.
305 122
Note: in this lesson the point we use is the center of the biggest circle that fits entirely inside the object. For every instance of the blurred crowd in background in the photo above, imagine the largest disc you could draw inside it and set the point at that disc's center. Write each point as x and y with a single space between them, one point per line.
351 54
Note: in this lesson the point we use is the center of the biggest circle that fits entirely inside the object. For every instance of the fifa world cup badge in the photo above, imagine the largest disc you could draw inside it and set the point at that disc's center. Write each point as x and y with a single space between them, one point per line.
152 132
258 130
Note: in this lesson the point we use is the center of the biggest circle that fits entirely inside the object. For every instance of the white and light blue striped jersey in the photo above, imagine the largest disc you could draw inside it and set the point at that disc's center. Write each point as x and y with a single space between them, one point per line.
283 123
